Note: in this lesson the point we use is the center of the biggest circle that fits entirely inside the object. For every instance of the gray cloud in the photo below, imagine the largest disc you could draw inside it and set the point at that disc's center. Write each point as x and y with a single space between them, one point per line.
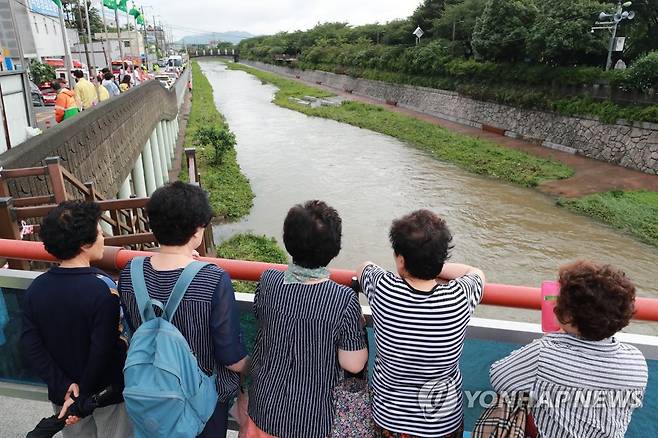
267 17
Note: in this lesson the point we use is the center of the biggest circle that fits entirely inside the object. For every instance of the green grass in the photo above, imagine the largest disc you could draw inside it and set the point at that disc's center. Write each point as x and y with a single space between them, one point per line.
635 212
257 248
476 155
230 193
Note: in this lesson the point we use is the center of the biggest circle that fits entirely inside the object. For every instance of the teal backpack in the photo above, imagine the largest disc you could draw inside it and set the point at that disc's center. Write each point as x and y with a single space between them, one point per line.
166 393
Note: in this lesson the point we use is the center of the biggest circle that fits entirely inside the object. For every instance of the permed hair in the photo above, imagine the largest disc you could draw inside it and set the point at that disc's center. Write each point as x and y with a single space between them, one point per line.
70 226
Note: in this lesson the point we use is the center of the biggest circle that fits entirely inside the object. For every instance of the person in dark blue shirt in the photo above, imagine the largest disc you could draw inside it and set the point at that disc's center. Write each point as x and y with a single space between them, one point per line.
71 324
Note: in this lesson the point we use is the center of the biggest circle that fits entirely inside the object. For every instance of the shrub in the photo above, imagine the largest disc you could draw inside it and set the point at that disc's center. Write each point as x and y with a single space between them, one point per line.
221 139
643 74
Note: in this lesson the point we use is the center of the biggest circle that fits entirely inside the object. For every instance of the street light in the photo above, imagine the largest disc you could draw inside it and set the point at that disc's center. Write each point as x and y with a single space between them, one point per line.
617 17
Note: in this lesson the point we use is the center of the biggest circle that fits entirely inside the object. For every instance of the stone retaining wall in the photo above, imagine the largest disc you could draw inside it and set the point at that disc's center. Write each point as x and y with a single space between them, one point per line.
633 145
99 145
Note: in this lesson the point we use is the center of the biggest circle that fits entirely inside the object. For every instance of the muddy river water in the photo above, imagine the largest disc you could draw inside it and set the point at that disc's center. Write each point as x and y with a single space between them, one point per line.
516 235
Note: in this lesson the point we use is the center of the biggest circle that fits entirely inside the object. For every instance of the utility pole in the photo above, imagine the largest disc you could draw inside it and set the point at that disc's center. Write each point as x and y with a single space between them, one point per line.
68 59
108 54
155 34
81 31
146 46
116 19
93 51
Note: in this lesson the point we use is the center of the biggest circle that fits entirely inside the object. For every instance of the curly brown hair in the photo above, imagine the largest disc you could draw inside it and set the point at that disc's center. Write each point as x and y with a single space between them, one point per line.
598 300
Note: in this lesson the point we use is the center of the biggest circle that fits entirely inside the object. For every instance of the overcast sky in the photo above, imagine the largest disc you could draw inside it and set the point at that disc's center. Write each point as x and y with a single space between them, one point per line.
271 16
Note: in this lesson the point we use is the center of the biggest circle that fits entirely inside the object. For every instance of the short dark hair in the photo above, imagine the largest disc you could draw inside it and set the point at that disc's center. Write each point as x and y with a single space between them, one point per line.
598 300
312 233
56 84
108 76
126 79
176 211
68 227
423 239
105 70
78 74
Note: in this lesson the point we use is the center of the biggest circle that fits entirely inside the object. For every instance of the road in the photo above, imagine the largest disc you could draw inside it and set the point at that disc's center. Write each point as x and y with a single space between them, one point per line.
45 116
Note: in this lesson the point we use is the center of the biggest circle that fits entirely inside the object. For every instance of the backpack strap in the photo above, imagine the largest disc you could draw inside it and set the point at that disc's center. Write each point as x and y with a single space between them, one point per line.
180 288
144 302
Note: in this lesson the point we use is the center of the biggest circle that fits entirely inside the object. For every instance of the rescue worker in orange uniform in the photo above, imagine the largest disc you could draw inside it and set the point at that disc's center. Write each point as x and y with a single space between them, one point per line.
66 105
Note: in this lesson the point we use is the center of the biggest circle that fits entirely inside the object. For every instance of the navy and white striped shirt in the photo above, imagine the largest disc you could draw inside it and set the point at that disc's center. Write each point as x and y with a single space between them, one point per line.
579 388
207 318
417 385
295 359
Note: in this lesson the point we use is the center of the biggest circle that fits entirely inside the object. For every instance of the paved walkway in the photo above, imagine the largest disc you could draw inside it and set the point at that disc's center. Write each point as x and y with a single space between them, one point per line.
590 175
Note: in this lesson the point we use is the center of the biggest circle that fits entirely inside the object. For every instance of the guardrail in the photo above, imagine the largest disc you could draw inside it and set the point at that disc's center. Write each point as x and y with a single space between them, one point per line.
114 259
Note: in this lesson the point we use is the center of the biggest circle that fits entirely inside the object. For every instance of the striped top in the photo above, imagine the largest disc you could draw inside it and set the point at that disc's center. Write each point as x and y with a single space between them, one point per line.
295 360
417 385
207 318
579 388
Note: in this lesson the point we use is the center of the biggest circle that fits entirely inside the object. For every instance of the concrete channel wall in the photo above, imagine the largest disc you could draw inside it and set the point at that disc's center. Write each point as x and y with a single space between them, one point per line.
633 145
101 144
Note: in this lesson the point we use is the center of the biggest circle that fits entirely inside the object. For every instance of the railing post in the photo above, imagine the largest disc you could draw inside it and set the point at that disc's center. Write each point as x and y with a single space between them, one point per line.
56 179
149 168
138 178
91 196
190 155
162 151
155 153
9 229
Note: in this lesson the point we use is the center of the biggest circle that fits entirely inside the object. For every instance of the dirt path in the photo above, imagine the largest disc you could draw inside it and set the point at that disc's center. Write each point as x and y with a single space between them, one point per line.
590 175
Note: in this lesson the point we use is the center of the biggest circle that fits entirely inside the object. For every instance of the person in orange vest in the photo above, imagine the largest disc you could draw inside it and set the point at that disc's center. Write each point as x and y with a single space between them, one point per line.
65 103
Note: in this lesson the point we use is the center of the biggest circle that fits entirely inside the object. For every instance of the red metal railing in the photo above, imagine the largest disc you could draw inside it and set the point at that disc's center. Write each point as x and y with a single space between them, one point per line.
115 259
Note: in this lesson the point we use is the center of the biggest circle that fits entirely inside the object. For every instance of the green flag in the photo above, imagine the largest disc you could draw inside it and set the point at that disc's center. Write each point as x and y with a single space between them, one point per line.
140 19
134 12
123 5
58 3
111 4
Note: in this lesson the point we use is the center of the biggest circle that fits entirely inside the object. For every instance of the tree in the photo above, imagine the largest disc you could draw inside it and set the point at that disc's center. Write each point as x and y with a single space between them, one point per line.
40 73
72 16
642 31
503 28
561 34
426 13
461 18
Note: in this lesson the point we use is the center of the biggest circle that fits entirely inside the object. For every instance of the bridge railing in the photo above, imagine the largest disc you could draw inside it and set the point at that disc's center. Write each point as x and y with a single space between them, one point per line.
522 297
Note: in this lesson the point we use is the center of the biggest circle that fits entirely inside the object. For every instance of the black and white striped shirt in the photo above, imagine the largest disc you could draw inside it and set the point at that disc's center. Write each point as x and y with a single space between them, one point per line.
295 358
579 388
417 385
207 318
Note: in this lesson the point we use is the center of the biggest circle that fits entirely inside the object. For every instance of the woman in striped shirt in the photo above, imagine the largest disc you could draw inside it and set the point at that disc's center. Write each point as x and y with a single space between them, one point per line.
309 328
420 316
583 382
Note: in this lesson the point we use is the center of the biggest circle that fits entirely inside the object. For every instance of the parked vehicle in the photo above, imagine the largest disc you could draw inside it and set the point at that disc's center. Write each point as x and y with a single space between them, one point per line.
37 96
49 95
165 80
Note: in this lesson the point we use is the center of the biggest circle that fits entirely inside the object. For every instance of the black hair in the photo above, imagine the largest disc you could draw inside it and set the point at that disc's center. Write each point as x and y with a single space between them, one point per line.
423 239
126 79
56 84
70 226
78 74
312 234
108 76
105 70
176 211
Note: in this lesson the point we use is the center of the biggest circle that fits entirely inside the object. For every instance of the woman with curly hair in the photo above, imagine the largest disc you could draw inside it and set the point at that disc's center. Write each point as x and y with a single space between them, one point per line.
583 382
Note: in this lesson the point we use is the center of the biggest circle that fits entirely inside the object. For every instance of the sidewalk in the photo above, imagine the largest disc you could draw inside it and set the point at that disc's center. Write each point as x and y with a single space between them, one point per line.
590 175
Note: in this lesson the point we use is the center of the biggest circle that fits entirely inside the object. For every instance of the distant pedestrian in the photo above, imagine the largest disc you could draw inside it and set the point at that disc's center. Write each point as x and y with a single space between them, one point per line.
103 94
85 91
65 103
125 83
108 82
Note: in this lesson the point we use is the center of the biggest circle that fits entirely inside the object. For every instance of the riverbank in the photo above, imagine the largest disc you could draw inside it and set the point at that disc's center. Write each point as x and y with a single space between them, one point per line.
229 190
476 155
422 131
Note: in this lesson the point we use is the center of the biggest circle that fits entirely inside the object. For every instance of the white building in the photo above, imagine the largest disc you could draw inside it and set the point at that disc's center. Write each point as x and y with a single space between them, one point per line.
132 42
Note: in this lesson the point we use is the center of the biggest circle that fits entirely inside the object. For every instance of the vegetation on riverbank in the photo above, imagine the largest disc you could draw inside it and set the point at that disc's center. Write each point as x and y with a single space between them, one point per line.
473 154
635 212
230 193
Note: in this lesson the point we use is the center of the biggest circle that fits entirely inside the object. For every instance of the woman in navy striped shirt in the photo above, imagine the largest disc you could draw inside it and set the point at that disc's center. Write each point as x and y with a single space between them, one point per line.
583 382
207 317
309 328
420 316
